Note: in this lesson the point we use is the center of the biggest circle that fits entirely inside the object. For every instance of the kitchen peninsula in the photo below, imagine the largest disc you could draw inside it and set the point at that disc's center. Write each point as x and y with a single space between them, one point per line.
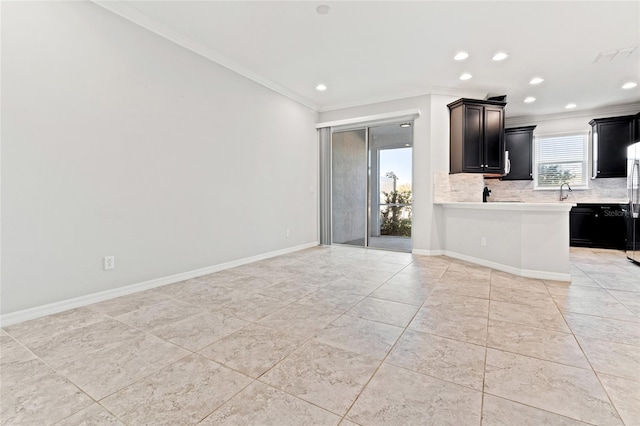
526 239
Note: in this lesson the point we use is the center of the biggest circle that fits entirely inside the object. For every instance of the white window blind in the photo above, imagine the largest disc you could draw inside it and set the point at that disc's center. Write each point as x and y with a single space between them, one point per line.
560 159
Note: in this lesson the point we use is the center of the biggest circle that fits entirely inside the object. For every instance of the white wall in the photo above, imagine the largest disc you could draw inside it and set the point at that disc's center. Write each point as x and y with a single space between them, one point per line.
117 142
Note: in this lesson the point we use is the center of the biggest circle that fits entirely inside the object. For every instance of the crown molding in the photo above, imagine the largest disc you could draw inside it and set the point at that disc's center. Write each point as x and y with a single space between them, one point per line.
609 111
134 15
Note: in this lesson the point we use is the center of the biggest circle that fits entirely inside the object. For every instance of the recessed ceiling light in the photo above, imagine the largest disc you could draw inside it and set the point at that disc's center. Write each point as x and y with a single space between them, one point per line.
571 106
500 56
465 76
461 56
629 85
323 9
529 99
321 87
536 80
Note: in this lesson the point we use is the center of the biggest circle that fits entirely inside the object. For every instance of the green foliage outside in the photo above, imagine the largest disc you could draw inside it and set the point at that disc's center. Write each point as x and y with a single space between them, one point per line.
553 175
392 221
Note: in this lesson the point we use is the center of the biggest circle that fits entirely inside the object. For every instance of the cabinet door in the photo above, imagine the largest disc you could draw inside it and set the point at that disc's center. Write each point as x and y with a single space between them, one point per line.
610 227
612 138
473 138
519 143
581 226
493 145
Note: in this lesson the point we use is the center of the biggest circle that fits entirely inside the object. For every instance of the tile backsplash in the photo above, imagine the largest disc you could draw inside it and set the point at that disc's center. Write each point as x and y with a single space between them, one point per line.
457 188
467 187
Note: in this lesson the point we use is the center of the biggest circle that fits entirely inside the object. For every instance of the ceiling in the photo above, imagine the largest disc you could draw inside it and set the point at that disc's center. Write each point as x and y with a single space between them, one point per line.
370 51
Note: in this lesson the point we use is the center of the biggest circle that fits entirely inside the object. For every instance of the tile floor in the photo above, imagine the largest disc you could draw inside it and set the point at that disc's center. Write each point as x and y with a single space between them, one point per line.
343 336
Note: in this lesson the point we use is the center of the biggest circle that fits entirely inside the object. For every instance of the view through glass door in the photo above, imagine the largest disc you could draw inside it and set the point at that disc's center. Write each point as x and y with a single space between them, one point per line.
390 162
371 193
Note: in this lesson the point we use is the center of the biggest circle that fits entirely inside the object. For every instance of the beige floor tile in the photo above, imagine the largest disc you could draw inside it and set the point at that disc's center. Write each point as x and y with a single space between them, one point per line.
451 360
548 318
625 395
396 396
618 280
39 331
305 320
122 362
356 286
451 324
7 344
575 292
522 297
82 343
463 288
630 299
601 308
361 336
412 295
31 393
502 412
184 392
254 349
324 375
536 365
198 292
289 291
604 328
260 404
418 275
388 312
252 307
569 391
129 303
536 342
95 414
470 306
154 317
197 331
616 359
326 298
508 281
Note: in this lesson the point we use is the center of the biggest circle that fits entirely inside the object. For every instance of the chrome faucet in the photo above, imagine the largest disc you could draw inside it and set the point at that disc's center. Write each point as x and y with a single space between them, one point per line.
564 197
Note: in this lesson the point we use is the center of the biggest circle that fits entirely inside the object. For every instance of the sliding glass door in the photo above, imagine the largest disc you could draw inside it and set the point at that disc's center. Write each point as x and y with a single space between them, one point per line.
371 187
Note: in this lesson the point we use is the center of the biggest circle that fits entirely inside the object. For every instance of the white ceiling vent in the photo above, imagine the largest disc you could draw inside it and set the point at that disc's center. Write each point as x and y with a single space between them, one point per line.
614 54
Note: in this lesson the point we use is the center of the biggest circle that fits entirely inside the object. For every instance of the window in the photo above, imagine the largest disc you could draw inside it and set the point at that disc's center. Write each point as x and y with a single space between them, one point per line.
561 158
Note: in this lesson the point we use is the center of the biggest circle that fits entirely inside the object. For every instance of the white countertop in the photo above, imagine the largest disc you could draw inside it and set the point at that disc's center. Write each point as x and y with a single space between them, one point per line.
517 206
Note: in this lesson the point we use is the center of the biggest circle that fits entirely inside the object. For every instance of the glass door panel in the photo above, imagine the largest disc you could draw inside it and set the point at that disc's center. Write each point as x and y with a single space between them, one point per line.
390 156
349 175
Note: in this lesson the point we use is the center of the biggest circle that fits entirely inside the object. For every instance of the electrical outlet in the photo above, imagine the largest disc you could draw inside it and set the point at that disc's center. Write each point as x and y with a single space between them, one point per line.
109 262
483 241
288 233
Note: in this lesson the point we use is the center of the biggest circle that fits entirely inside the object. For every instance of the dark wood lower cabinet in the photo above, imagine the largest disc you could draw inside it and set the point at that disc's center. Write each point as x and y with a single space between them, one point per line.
598 226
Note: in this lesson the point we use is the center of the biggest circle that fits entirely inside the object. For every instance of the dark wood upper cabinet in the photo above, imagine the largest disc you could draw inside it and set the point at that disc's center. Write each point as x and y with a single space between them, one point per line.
611 137
476 136
519 145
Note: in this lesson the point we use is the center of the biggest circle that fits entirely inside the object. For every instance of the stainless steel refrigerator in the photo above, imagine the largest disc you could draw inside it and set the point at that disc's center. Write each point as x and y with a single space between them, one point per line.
633 216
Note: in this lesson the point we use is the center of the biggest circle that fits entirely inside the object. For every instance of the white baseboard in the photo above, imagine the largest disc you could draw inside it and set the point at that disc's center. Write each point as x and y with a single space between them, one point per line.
542 275
427 252
76 302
